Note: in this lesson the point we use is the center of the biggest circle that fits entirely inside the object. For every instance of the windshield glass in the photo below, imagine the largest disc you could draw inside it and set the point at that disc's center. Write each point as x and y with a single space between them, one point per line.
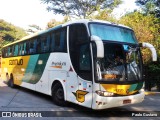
120 63
112 33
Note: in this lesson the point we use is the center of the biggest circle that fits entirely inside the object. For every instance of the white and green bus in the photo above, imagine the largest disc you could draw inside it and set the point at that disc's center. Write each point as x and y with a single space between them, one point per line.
96 64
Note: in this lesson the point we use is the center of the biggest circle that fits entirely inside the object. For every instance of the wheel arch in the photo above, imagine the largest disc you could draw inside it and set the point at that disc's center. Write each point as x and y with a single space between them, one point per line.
62 84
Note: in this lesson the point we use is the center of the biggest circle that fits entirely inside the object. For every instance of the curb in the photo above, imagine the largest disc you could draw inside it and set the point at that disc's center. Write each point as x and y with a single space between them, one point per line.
152 93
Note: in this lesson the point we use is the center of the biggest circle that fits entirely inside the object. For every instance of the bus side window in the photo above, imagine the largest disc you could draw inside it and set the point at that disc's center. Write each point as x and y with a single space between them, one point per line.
45 43
23 48
32 47
58 40
9 52
13 48
16 50
35 45
53 42
6 52
3 53
84 58
20 49
63 39
38 45
27 48
31 50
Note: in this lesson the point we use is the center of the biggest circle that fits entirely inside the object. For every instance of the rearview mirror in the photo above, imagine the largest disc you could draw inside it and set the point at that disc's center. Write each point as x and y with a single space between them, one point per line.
152 49
99 45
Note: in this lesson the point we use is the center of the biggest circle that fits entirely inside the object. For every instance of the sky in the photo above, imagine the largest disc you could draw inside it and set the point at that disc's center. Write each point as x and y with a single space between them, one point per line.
23 13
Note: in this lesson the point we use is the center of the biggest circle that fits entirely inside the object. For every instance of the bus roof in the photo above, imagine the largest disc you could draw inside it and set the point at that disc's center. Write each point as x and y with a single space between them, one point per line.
84 21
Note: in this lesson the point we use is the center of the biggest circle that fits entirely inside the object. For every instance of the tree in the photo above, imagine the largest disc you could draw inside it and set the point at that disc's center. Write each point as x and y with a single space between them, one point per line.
53 22
104 15
146 29
79 8
34 28
150 6
9 33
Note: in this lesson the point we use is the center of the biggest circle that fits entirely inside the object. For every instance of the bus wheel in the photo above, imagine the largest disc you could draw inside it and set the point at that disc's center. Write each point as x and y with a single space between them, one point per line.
58 95
11 82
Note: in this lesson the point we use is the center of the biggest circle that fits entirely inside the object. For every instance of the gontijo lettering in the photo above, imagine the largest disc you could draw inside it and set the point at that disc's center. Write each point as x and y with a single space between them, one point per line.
16 62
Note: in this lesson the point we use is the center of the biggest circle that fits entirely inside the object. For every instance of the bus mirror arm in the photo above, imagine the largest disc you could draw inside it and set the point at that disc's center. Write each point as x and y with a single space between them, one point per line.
152 49
99 44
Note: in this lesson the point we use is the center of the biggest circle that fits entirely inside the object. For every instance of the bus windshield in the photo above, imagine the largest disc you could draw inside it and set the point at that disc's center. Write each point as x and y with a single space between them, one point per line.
122 59
121 62
112 33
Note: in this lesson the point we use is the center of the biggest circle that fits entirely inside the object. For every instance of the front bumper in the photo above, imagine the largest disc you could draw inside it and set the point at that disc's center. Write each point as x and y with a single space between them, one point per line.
100 102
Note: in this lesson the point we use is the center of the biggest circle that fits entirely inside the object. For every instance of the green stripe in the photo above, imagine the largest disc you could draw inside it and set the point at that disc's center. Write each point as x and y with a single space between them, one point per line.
139 86
35 68
30 68
39 69
133 87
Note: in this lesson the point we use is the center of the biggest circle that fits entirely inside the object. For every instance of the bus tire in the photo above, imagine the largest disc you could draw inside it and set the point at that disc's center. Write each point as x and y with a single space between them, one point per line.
58 95
11 81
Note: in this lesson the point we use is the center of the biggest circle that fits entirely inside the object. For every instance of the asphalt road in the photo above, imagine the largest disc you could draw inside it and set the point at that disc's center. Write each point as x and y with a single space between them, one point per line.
20 102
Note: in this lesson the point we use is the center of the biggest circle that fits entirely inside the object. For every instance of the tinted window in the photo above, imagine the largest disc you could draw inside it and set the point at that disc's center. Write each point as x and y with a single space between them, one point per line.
80 51
45 39
50 42
77 34
84 58
112 33
33 46
58 40
9 51
5 52
15 50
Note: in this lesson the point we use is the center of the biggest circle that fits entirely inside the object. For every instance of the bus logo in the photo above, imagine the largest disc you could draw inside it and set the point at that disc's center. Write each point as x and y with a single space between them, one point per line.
80 95
58 64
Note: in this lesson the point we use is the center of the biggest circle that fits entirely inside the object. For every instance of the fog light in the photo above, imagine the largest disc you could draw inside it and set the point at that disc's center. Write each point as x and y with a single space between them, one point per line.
142 90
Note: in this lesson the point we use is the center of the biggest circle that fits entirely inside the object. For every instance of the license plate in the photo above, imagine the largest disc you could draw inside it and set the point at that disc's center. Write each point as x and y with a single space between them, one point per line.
126 101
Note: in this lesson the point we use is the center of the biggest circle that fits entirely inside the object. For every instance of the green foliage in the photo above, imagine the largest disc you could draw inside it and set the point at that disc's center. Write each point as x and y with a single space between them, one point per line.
53 22
150 7
34 28
146 29
155 68
9 33
79 8
104 15
153 71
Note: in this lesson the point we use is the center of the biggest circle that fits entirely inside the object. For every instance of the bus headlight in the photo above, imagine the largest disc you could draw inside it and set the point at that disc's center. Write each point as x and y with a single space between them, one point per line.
104 93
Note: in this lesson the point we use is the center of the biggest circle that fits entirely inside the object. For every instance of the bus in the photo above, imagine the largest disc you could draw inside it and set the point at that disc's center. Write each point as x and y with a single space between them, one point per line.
92 63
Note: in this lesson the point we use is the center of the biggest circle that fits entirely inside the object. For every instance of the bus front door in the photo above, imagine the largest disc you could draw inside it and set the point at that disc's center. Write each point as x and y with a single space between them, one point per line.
84 75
